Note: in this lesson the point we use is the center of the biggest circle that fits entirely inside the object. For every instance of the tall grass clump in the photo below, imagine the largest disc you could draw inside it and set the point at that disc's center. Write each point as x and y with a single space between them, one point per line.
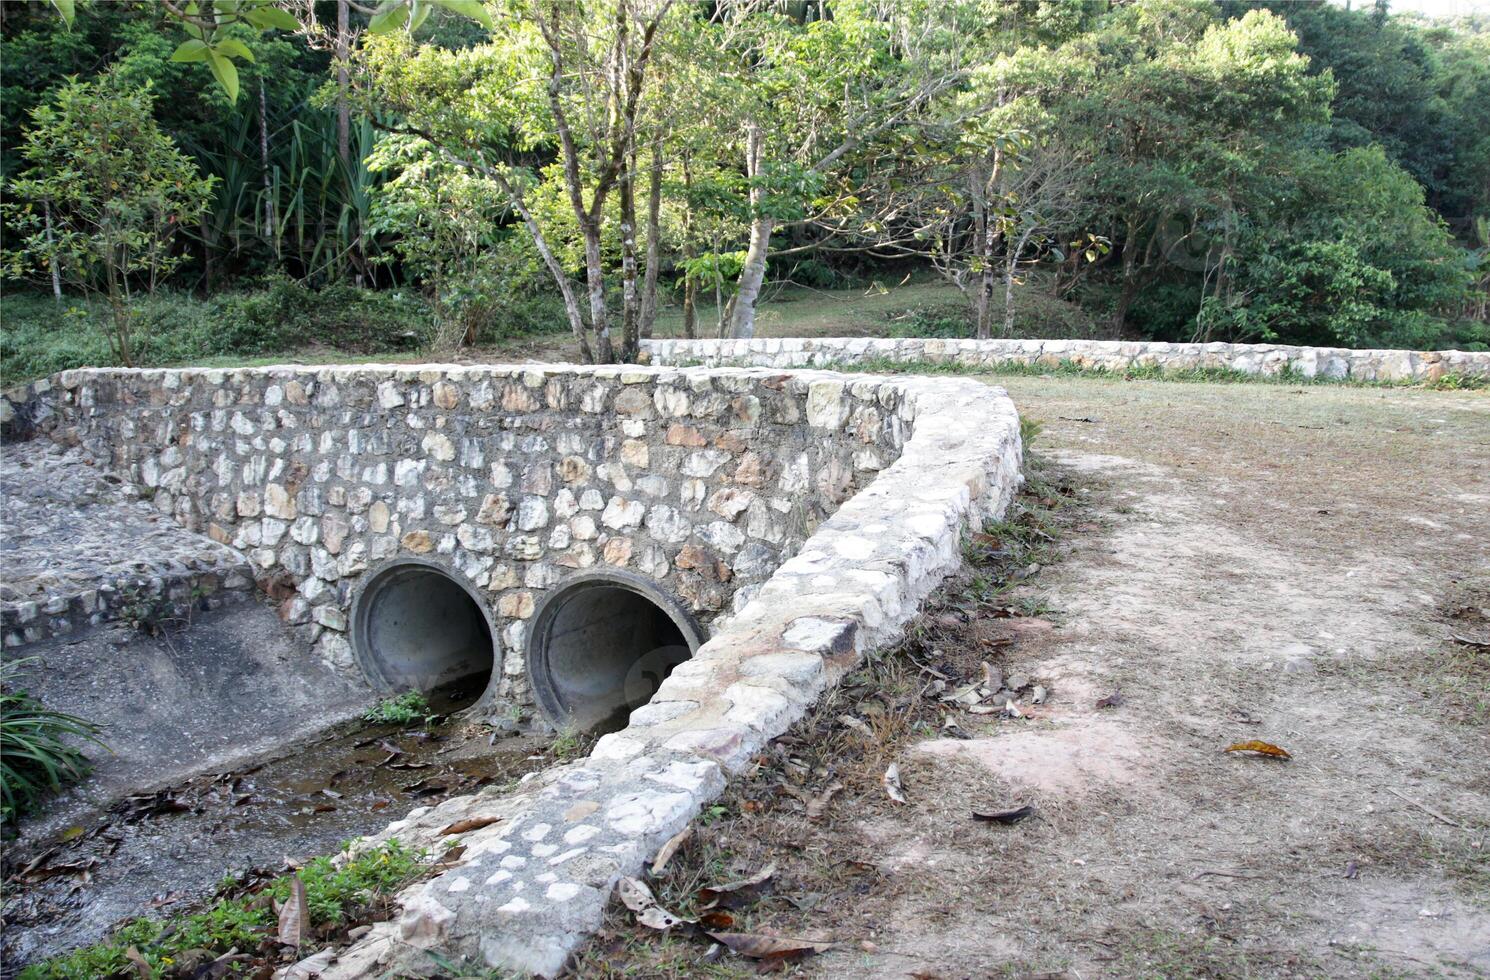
40 749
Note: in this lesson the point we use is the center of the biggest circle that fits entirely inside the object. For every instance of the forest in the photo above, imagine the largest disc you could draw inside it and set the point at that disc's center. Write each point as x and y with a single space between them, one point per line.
195 179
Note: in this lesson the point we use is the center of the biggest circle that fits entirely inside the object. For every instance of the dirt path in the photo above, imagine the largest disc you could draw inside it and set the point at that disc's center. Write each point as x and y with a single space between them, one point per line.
1272 563
1247 562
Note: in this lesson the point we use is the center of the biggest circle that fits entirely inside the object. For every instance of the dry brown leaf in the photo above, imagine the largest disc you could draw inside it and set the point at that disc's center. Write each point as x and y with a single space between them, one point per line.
760 947
665 854
637 897
891 779
294 915
468 825
818 805
141 967
857 724
635 894
735 891
1267 749
1004 816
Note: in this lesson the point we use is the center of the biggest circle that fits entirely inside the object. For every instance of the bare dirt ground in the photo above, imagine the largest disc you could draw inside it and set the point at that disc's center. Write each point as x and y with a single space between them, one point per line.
1241 562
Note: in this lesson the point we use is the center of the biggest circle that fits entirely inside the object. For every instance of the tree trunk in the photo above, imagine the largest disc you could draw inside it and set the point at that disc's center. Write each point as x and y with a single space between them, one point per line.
52 266
753 273
269 216
690 283
343 84
595 283
690 308
630 296
654 241
1130 281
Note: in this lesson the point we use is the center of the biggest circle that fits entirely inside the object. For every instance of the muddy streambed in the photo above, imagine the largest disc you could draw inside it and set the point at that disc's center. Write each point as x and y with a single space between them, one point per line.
168 851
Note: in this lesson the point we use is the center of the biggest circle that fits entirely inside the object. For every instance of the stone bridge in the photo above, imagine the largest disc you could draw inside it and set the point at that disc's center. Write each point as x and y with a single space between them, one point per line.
684 558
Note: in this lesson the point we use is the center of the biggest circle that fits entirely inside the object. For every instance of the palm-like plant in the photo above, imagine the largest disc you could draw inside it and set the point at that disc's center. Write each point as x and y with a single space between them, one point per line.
39 753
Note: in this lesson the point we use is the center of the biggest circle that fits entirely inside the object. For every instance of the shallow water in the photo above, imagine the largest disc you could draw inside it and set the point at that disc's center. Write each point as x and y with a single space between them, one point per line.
165 852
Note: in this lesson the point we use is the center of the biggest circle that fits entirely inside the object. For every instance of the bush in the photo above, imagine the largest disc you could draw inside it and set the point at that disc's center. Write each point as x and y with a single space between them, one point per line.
39 753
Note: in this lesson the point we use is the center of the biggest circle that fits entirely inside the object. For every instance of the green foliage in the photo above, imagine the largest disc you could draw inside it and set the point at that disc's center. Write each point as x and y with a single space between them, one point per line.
335 891
281 317
39 748
409 708
102 200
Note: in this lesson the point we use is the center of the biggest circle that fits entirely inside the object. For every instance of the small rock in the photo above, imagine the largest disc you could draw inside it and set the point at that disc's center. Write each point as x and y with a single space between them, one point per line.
1038 697
1017 682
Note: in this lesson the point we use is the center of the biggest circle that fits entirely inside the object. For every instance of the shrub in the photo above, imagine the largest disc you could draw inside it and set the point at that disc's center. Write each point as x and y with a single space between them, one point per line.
39 753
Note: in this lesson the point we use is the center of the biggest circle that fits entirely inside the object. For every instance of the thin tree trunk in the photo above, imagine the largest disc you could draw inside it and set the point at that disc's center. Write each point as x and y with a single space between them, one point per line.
52 266
343 85
269 217
654 243
753 273
690 284
630 298
1130 280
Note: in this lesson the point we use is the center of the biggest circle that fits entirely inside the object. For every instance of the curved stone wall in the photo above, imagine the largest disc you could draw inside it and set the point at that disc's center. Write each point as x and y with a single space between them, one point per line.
515 477
1102 355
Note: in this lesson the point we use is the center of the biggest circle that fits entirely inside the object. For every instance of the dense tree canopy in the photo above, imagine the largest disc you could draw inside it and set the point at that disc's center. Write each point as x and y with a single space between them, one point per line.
1181 169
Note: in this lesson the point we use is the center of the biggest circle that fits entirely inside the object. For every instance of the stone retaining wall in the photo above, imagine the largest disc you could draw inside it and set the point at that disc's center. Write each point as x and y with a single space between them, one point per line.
515 477
530 886
1102 355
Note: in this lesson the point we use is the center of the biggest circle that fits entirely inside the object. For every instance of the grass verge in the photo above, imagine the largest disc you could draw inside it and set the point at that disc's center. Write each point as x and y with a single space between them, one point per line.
237 933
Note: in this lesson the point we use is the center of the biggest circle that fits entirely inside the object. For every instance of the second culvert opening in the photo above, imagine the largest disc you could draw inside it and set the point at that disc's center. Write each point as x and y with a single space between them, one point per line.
600 646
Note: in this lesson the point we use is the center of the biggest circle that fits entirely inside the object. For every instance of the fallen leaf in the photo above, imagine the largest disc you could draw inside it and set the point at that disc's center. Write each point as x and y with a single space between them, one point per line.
891 779
468 825
734 893
1113 700
637 897
142 968
856 724
716 919
818 805
1004 816
665 854
775 948
1267 749
294 915
635 894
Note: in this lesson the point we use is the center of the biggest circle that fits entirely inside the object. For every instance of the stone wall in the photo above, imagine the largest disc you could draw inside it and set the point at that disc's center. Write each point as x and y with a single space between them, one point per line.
530 886
513 476
1100 355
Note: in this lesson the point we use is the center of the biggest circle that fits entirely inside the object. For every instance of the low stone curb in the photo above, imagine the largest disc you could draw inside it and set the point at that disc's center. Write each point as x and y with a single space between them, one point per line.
1100 355
528 888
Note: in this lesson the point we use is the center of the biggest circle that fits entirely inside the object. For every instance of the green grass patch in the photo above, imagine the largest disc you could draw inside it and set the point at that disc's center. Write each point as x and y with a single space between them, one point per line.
243 917
40 749
409 708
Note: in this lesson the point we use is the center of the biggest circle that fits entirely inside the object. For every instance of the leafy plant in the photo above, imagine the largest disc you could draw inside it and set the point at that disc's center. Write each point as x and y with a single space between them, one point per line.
408 708
39 751
102 200
335 892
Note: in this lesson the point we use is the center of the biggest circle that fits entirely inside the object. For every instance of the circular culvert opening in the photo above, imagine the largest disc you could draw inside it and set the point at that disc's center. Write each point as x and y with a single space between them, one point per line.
600 645
418 626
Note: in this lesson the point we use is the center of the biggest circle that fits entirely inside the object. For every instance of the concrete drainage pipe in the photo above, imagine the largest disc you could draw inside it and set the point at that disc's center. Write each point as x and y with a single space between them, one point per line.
600 645
419 625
